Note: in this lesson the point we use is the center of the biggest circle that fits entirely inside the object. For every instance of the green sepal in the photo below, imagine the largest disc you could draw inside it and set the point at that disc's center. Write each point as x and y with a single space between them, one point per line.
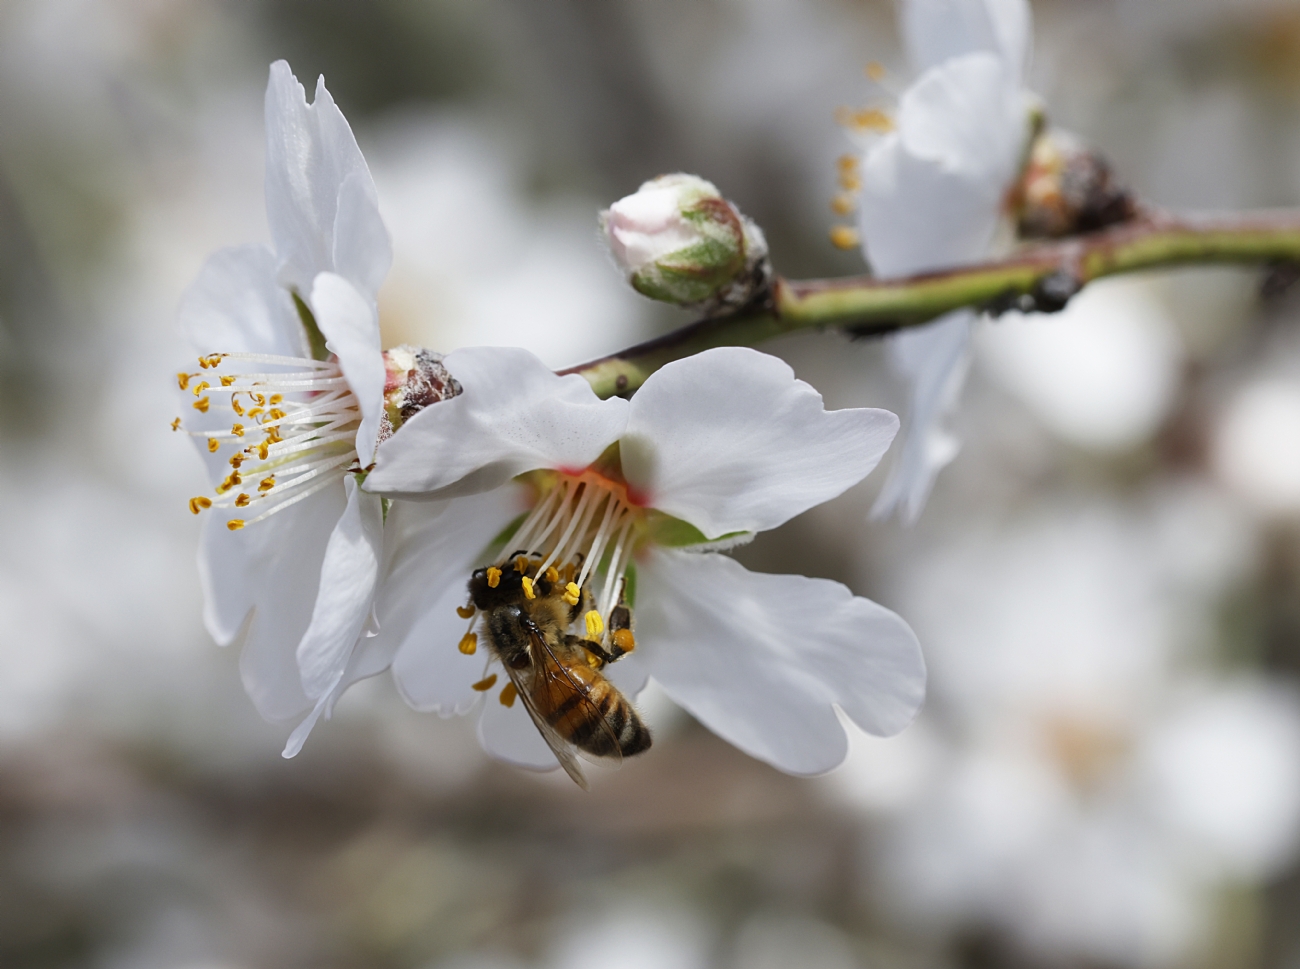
315 338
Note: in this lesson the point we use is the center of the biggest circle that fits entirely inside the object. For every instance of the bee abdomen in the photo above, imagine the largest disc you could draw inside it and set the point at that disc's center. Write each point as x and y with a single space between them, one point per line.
618 729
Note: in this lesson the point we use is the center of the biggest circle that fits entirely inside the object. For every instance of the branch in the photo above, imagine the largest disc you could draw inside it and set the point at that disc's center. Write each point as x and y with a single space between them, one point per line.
1039 277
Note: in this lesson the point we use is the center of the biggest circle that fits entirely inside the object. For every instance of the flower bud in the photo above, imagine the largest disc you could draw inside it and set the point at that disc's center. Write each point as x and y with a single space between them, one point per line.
1068 188
681 242
414 378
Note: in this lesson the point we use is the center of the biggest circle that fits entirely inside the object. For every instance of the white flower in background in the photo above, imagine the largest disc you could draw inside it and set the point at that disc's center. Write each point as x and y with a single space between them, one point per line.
1257 445
679 241
710 450
1102 373
1089 786
933 195
290 404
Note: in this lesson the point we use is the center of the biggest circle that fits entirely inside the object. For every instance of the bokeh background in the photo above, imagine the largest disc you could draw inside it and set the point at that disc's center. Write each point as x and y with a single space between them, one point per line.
1106 582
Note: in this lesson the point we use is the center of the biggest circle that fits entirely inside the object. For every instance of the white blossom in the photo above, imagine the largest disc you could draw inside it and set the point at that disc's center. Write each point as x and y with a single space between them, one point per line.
710 450
933 193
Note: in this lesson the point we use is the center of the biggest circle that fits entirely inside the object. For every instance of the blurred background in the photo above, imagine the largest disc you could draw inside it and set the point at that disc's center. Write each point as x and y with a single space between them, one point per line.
1106 581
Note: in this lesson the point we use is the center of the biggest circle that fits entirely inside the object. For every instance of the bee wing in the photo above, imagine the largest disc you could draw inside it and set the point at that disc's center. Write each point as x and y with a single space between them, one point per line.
550 679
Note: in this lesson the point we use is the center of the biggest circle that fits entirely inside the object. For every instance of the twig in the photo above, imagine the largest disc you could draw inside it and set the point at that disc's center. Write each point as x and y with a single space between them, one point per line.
1039 277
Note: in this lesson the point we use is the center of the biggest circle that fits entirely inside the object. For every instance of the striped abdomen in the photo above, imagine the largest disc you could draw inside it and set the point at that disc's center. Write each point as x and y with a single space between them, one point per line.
580 723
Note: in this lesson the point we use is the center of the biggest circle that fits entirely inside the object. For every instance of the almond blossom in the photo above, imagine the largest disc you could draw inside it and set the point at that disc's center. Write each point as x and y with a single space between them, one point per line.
288 405
934 189
627 504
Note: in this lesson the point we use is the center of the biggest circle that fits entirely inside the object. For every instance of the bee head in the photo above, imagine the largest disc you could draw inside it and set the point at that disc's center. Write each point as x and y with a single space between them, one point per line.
485 594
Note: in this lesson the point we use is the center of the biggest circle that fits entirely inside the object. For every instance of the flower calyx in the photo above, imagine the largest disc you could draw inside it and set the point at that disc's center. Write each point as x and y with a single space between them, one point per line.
414 378
1068 189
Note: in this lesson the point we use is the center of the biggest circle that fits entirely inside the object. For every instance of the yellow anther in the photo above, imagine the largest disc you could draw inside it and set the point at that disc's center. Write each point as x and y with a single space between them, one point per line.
176 424
844 237
259 398
201 386
850 182
273 435
276 399
236 406
242 500
211 360
843 204
237 430
253 412
508 695
227 380
235 524
183 379
199 503
213 445
201 405
494 577
465 612
572 593
236 460
486 683
521 563
275 414
263 450
595 625
552 575
468 644
624 640
528 588
848 163
594 661
266 484
867 119
875 70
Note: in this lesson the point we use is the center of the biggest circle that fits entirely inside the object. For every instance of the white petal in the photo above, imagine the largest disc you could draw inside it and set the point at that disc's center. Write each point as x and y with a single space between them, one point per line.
281 569
515 415
762 660
318 185
507 733
934 358
730 441
237 306
933 190
347 587
350 326
428 580
937 30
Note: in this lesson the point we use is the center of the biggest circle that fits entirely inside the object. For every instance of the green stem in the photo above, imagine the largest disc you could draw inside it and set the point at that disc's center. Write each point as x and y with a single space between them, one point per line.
1039 277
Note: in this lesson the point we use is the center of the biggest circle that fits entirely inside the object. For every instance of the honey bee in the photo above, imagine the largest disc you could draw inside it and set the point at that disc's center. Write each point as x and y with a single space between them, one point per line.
556 674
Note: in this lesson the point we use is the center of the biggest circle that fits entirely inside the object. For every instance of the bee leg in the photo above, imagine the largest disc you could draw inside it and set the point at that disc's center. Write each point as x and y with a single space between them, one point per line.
621 640
598 656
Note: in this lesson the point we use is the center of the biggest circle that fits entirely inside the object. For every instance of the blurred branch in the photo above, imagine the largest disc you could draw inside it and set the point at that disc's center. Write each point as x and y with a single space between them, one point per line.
1038 278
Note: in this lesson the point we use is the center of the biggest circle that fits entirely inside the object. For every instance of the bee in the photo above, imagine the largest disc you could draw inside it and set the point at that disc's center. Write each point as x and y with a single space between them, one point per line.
556 674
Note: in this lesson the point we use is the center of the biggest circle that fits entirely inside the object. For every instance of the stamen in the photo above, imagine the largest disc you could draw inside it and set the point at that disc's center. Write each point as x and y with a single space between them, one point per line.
552 576
468 643
528 588
199 503
508 694
465 612
486 683
266 484
572 593
595 625
242 501
201 386
201 405
235 524
183 379
214 445
493 577
176 424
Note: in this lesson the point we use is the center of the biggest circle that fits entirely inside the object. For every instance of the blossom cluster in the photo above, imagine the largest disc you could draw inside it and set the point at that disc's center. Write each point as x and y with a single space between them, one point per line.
358 493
